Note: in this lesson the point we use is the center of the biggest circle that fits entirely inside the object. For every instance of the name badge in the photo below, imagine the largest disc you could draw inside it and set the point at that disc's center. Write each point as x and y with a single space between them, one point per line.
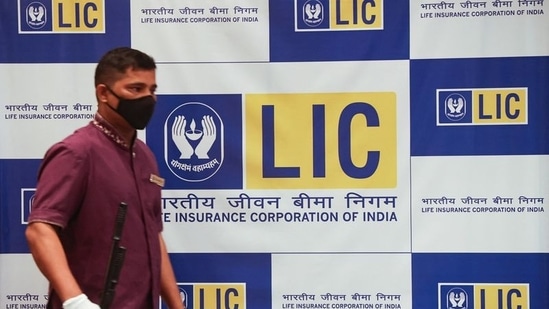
157 180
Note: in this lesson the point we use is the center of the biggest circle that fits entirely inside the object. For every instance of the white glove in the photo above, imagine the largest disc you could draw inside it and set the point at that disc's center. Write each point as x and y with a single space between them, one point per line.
79 302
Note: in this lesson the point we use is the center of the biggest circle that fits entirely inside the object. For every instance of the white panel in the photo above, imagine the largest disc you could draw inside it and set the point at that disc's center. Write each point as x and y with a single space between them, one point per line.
192 31
485 29
300 77
518 226
331 236
21 283
368 275
62 85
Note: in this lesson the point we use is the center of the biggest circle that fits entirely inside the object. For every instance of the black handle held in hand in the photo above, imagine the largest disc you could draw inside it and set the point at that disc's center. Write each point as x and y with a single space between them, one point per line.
116 259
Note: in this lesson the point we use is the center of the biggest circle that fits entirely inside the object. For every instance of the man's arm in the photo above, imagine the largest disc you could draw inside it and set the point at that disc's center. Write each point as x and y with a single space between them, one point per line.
168 284
50 258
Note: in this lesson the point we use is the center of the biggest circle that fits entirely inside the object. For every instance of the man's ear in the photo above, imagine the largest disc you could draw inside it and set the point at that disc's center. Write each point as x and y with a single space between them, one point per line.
101 93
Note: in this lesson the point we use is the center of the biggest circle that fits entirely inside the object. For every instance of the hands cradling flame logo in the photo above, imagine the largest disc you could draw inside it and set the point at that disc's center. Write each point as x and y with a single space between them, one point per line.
185 138
457 300
36 13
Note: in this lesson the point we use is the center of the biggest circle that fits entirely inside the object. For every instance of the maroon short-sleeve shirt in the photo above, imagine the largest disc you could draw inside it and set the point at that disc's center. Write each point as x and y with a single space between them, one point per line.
81 182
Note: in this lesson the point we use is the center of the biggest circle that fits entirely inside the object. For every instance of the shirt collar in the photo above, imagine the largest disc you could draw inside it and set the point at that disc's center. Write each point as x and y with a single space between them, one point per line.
109 130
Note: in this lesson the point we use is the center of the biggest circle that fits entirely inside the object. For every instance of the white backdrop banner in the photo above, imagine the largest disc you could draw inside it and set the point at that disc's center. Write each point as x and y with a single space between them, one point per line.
366 153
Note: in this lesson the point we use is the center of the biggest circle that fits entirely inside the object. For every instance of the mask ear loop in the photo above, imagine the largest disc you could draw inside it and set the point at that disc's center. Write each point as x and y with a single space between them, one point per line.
114 94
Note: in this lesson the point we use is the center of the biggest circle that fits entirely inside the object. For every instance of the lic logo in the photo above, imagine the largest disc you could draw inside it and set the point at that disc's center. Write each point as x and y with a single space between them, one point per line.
484 296
456 299
212 295
35 14
193 140
328 15
61 16
455 107
313 13
482 106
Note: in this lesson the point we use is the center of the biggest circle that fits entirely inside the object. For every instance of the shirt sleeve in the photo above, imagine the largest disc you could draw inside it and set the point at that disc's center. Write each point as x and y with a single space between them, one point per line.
62 180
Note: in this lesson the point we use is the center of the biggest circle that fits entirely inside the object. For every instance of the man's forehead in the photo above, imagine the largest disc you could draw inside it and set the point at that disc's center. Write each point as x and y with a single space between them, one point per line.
132 76
131 71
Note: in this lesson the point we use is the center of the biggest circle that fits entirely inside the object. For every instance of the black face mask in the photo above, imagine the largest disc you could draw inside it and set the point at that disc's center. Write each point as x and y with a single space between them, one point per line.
137 112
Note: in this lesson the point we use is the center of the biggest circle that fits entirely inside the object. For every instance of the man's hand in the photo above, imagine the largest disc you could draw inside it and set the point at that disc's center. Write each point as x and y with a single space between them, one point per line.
79 302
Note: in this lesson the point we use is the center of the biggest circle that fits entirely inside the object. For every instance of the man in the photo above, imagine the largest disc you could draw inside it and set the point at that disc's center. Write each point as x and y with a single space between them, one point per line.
81 183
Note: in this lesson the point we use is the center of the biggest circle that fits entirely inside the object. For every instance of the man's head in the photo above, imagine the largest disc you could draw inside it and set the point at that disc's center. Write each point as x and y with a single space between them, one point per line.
125 85
117 61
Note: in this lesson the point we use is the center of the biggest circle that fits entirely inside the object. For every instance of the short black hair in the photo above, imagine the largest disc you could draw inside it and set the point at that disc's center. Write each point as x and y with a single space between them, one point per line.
118 60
